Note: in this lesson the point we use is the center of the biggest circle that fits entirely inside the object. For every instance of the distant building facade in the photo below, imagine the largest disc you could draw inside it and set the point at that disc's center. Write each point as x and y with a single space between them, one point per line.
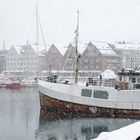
23 59
3 54
42 60
69 58
53 59
99 56
96 56
90 58
129 54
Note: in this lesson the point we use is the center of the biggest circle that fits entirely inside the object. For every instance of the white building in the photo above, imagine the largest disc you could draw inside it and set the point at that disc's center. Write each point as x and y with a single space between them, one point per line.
23 59
130 54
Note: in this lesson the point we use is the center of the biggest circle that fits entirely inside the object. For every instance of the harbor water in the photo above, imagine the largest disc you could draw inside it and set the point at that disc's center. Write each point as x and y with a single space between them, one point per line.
20 120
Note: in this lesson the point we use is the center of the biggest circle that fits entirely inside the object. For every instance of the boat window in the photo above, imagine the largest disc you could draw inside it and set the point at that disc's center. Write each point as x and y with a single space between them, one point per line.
100 94
86 92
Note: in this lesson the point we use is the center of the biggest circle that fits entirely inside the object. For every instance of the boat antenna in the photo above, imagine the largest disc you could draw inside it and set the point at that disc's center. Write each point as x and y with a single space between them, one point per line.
76 49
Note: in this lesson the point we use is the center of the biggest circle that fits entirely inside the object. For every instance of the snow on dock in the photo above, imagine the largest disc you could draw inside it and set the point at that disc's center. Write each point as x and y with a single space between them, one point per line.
130 132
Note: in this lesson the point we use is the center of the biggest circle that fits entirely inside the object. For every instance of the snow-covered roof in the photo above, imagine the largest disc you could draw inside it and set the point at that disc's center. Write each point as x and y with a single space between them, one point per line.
61 47
108 74
104 48
130 132
127 46
17 48
20 48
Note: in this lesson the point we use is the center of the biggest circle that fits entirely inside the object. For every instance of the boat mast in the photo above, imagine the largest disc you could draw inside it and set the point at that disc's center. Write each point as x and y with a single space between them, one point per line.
76 49
37 27
37 35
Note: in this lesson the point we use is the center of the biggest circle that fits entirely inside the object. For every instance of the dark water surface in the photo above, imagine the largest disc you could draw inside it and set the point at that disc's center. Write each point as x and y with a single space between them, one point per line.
19 120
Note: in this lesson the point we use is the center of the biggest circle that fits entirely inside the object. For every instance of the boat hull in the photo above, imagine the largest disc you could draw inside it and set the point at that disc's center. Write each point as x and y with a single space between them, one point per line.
52 109
14 86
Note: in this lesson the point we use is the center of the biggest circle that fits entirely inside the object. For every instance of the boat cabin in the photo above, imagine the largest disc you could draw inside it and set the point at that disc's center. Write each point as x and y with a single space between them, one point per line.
106 78
128 79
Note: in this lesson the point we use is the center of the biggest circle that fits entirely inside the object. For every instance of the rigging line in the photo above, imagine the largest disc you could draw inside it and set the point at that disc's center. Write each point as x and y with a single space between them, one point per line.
42 32
67 57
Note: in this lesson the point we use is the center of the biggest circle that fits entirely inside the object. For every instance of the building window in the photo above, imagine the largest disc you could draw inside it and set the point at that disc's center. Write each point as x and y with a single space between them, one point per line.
86 92
138 80
100 94
133 80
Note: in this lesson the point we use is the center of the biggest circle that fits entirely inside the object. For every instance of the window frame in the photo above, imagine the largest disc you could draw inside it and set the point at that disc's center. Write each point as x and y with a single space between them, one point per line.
84 92
100 94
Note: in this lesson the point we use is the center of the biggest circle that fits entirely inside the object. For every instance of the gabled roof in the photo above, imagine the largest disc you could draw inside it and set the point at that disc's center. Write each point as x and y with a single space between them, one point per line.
55 48
16 49
41 48
62 48
104 48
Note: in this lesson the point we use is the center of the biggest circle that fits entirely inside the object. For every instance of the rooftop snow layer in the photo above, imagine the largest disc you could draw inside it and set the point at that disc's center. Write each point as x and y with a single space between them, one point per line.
104 48
127 46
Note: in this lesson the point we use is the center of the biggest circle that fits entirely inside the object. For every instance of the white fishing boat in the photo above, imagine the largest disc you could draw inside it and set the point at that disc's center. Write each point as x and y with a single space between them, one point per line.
67 99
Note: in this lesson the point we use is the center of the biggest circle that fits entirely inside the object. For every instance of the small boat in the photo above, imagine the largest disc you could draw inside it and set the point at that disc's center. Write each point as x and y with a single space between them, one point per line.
10 83
96 100
29 81
15 85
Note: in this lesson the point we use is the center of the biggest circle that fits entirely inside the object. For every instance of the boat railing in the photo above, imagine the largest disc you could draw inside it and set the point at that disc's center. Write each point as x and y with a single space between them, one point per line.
101 82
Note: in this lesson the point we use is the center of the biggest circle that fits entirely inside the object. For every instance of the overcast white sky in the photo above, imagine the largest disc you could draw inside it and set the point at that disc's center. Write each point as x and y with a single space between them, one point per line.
100 20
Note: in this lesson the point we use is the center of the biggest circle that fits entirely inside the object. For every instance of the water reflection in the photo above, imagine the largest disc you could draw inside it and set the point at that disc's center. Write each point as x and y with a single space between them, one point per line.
78 129
19 120
19 114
